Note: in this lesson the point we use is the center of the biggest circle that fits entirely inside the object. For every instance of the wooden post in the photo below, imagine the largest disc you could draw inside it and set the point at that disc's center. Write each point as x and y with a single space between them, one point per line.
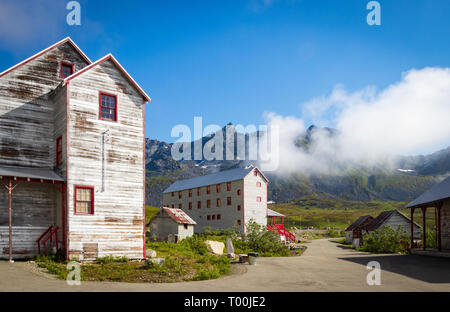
412 227
438 226
10 218
424 227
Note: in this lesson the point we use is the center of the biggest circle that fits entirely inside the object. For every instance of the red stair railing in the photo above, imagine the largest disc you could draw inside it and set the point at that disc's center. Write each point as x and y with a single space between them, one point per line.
46 236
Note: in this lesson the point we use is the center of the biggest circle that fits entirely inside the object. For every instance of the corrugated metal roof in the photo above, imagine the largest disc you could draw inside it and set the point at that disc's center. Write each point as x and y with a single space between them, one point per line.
271 213
358 222
210 179
179 215
438 192
32 173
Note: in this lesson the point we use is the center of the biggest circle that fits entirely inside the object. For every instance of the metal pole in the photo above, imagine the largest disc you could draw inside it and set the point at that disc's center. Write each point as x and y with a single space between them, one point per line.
10 218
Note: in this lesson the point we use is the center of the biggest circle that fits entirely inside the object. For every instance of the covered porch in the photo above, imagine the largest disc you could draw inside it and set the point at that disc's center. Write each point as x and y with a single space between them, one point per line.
272 218
438 199
32 211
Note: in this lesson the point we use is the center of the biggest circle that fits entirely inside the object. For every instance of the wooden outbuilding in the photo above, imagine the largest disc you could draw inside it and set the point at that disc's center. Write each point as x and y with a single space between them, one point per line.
72 157
354 230
394 219
437 197
171 224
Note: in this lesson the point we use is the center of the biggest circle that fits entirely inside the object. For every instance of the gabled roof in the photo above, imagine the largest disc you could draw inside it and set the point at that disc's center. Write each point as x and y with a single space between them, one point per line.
271 213
46 50
177 215
436 193
120 67
210 179
29 173
358 222
379 221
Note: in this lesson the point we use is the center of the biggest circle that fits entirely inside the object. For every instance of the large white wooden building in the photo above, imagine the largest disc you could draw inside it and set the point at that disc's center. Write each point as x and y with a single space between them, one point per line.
221 200
71 156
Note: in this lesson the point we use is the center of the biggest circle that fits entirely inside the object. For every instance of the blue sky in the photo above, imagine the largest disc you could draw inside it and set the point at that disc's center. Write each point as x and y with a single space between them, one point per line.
230 61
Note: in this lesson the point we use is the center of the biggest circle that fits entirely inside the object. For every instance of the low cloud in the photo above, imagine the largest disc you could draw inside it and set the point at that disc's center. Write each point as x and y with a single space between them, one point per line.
373 126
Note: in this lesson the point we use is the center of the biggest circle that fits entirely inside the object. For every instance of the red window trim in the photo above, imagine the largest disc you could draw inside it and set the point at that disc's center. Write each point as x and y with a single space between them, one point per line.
199 191
100 106
258 184
258 199
58 153
190 205
199 204
208 217
239 222
228 186
218 202
208 190
208 203
65 64
238 192
239 207
255 173
180 193
173 194
173 206
190 192
229 201
75 199
214 217
217 188
219 216
180 206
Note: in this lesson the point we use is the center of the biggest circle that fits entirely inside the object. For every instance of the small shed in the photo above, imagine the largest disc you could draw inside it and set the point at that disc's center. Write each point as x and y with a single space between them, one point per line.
393 218
171 224
354 229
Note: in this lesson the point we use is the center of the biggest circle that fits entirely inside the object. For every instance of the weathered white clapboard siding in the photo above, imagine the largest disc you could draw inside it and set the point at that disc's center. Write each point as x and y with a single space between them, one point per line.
397 220
24 241
250 209
26 113
117 225
445 225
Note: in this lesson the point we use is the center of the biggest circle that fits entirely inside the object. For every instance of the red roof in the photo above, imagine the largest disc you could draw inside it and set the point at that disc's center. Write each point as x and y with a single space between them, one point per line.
179 216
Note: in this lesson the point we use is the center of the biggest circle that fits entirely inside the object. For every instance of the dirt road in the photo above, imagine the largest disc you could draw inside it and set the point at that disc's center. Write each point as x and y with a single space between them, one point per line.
325 266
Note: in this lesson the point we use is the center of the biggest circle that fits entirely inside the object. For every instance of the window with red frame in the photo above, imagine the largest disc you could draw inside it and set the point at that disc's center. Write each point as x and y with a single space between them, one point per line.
214 217
199 204
239 222
190 206
258 199
208 189
228 186
179 194
208 217
218 202
180 206
208 203
84 200
190 193
258 184
217 188
239 192
255 173
59 150
199 191
219 217
173 206
108 107
65 70
239 207
228 201
173 194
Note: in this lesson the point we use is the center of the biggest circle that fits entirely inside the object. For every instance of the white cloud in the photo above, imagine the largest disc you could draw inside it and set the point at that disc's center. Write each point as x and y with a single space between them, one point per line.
408 117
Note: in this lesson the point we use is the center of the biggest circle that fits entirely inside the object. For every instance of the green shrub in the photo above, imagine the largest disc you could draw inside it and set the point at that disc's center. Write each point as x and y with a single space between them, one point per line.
335 233
263 241
386 240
